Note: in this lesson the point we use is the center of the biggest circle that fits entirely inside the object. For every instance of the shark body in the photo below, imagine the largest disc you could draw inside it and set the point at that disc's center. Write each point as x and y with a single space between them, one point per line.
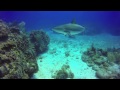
69 29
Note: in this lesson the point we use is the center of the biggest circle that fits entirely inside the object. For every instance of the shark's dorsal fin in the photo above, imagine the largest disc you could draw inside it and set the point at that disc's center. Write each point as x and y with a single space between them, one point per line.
73 21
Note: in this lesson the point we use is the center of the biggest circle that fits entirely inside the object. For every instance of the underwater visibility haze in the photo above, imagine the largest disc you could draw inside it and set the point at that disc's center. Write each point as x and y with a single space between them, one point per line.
60 44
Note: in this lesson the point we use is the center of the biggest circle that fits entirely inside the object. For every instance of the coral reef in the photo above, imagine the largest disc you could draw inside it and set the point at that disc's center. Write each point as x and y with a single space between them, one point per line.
17 53
94 56
103 61
111 72
22 27
64 73
40 40
3 31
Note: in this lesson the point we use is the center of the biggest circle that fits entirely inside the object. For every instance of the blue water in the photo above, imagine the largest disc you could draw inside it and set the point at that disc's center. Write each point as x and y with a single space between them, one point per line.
94 22
108 21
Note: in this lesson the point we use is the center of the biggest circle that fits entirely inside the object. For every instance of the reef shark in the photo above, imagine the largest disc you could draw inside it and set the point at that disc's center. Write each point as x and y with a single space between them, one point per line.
69 29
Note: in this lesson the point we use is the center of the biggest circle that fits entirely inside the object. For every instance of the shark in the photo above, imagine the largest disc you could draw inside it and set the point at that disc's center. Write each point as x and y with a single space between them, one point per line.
69 29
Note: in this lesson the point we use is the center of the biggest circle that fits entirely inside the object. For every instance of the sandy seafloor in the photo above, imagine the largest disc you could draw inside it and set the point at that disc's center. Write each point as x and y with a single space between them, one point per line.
54 58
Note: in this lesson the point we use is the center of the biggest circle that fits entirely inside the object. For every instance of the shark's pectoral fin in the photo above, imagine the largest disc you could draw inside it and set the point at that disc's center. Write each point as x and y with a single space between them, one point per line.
69 35
67 32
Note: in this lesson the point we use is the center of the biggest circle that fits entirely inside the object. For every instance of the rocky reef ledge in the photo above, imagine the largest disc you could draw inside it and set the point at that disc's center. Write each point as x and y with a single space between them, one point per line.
106 62
19 49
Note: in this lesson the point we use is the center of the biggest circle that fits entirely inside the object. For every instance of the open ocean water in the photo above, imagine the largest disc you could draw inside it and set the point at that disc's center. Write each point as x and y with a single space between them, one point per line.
60 44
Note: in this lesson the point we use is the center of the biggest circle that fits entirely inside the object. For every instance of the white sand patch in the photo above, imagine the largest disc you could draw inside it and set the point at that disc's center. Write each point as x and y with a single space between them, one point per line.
55 57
